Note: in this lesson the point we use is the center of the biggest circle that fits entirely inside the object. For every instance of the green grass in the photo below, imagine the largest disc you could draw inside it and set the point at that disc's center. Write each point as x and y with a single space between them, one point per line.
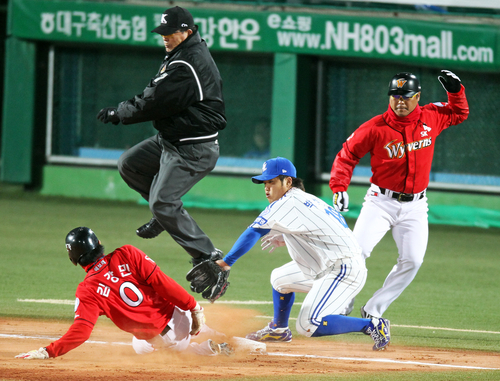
456 287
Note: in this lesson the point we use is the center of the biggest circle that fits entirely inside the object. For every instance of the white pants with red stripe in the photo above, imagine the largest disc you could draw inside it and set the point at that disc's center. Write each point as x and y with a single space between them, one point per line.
327 295
409 225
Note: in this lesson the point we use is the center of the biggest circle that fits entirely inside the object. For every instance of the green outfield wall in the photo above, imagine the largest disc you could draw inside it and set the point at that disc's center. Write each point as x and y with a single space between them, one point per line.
229 192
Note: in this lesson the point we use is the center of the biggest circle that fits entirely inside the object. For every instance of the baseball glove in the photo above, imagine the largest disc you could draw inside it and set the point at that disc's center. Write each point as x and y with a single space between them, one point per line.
209 279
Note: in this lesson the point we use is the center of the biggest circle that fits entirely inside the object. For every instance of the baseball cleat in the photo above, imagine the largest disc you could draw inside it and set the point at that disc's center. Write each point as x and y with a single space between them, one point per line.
150 230
226 349
380 331
365 315
271 334
221 349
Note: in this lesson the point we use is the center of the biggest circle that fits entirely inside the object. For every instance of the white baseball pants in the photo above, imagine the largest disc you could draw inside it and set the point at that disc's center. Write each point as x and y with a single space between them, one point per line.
328 295
410 230
177 338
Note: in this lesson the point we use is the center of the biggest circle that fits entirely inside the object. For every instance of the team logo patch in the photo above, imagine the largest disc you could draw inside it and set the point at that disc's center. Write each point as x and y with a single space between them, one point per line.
101 263
426 130
264 167
163 19
397 150
259 221
401 82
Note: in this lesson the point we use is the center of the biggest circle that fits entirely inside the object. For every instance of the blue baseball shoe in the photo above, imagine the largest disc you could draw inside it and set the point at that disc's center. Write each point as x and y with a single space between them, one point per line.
380 331
271 334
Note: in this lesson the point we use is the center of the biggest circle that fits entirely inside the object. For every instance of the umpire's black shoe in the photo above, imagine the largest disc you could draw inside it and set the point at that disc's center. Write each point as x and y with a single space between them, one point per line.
214 256
150 230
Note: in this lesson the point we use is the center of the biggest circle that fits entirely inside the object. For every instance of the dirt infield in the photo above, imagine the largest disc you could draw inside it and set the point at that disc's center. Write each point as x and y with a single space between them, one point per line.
107 361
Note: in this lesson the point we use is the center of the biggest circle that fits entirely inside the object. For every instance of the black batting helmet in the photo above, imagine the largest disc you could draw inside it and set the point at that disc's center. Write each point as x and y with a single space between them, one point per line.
80 241
404 83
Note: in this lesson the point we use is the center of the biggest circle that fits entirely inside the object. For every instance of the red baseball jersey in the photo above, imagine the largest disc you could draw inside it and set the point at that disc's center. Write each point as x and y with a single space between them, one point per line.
129 288
401 148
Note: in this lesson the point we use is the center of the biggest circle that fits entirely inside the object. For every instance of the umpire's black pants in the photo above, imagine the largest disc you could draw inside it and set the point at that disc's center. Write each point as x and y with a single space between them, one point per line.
162 173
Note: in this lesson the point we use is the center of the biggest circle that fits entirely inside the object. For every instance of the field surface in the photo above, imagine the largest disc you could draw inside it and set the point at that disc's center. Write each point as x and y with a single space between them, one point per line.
444 326
108 357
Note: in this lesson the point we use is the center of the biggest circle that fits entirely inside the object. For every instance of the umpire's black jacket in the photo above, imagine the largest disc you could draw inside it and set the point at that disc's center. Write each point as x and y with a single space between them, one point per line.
184 100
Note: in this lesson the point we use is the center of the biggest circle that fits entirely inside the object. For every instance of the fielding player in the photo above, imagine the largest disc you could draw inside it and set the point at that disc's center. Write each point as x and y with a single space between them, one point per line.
185 103
129 288
326 260
401 145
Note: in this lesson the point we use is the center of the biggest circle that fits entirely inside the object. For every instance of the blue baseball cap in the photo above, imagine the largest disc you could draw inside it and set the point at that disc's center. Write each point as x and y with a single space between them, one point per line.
275 167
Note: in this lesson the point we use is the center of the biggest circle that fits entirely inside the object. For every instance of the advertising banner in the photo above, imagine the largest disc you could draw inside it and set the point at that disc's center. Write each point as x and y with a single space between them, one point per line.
418 42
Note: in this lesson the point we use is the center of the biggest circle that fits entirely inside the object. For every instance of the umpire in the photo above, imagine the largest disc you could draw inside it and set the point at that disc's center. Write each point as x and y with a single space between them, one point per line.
185 103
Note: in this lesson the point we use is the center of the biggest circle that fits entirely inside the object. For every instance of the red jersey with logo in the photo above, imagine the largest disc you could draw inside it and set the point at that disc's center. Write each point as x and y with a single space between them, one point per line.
401 148
129 288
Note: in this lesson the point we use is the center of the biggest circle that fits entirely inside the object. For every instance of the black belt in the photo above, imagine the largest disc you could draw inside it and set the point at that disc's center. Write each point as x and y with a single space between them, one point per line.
157 341
403 197
165 330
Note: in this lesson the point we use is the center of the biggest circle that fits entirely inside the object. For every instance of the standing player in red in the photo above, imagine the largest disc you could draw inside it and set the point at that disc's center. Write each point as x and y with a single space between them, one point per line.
401 145
129 288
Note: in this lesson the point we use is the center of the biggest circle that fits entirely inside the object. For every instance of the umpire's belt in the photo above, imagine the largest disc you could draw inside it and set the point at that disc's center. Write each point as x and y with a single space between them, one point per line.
402 197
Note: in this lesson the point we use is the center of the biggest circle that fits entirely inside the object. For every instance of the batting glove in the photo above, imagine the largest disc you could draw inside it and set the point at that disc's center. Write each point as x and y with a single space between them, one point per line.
108 115
198 319
272 241
450 81
341 201
37 354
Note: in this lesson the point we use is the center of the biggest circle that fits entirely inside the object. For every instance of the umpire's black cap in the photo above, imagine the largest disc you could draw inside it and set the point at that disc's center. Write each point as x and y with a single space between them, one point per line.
174 19
404 83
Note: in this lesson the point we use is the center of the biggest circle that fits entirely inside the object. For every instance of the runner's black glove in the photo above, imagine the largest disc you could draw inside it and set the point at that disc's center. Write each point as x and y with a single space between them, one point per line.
450 81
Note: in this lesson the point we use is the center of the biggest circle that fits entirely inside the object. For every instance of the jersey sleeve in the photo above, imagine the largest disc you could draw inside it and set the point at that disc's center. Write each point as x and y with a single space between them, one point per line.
459 106
171 291
244 243
77 334
342 169
166 95
355 147
451 113
86 315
